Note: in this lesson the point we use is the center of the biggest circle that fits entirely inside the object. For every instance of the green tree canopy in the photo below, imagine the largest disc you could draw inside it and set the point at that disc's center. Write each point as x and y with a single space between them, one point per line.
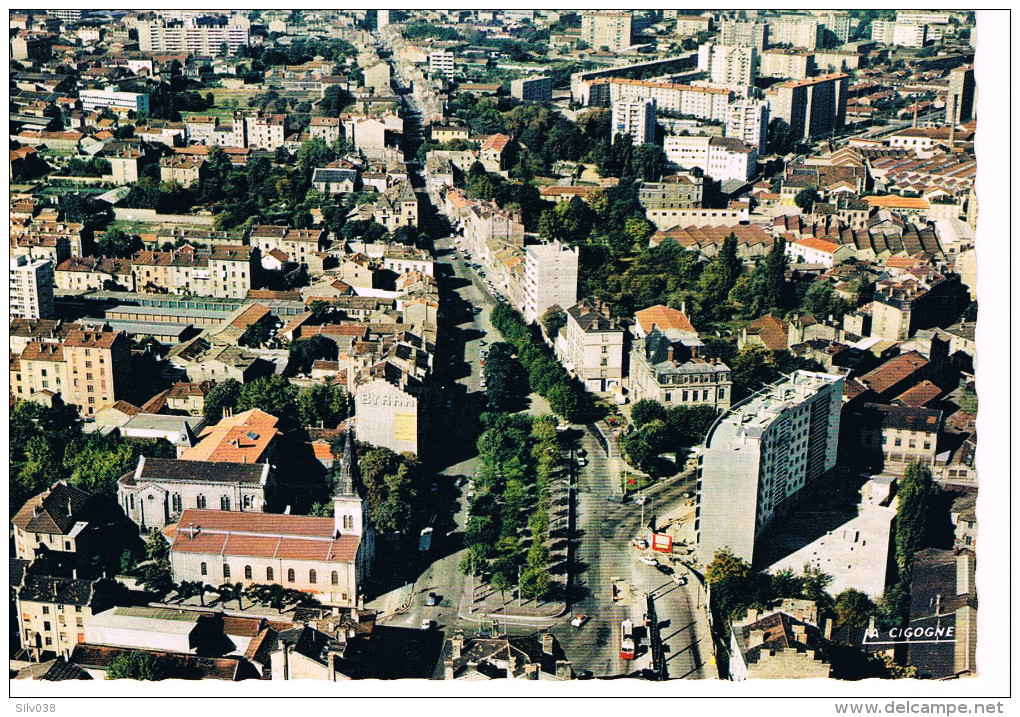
553 320
135 665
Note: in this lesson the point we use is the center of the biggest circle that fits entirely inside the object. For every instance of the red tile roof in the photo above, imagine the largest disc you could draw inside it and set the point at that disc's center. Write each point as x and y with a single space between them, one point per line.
663 317
264 535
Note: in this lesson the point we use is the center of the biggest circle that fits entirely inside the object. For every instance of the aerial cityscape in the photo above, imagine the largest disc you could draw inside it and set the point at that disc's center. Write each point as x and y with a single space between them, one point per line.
464 345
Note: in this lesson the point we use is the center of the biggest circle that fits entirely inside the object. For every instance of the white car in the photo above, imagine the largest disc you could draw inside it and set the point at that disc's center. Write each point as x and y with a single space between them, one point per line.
678 579
648 560
426 624
582 461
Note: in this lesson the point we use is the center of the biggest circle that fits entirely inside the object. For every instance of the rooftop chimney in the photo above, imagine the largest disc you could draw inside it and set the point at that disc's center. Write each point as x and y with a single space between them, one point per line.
457 643
448 670
547 643
563 670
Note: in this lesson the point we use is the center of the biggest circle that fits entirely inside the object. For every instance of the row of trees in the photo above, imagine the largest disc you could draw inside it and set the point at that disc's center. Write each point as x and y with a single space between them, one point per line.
518 455
545 374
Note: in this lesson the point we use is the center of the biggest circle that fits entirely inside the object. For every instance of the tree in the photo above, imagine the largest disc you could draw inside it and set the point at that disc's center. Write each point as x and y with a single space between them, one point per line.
853 608
918 495
304 352
752 368
806 199
134 665
321 311
117 243
553 320
273 394
255 335
645 411
564 401
224 394
322 404
821 301
726 565
650 163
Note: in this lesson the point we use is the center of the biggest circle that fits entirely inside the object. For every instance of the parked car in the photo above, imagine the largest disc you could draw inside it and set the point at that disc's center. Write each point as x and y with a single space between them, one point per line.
426 624
639 543
581 452
678 579
664 569
648 560
582 461
585 675
579 620
431 600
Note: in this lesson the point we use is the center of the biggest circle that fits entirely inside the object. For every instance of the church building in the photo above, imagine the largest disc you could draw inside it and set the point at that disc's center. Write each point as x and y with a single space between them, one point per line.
327 557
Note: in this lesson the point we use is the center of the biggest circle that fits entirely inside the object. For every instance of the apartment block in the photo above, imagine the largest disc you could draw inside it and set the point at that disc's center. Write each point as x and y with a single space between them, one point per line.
731 65
799 32
635 118
788 64
207 38
813 107
721 158
607 29
748 121
961 97
532 89
698 101
98 368
550 277
137 102
441 62
31 288
760 455
752 33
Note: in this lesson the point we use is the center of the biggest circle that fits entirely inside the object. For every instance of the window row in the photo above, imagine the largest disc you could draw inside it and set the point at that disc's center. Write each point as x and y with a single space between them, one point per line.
334 577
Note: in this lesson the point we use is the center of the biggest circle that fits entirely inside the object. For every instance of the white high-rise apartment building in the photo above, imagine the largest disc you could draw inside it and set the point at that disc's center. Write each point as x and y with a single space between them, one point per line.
760 455
31 288
550 278
730 65
922 17
636 118
748 121
611 29
910 35
200 38
794 31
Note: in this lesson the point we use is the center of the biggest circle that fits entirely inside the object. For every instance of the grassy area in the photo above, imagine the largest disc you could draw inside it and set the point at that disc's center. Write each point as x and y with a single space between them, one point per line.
968 401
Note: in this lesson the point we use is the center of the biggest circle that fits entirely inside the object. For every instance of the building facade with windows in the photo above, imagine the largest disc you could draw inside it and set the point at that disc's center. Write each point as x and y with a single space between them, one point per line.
592 345
760 455
31 288
159 490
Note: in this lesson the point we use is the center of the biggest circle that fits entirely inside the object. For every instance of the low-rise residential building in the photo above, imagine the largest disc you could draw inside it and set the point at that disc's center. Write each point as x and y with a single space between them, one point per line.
80 274
592 345
666 364
331 181
200 360
298 244
52 611
893 437
183 169
158 490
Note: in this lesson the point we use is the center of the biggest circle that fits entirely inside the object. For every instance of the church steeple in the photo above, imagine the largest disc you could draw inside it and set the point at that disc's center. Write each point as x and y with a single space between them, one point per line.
348 506
346 482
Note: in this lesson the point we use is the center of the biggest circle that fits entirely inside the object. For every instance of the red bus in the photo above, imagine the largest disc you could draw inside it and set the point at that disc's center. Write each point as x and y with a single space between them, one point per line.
627 640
